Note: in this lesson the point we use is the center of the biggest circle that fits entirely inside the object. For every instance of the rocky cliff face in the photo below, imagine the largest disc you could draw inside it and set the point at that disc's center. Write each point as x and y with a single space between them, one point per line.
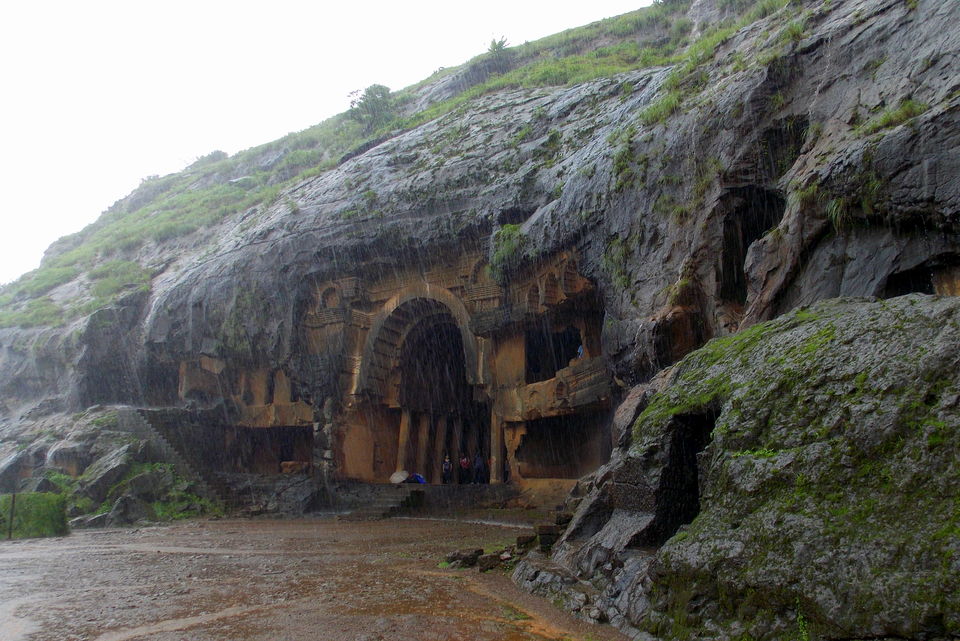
789 152
800 475
798 156
795 192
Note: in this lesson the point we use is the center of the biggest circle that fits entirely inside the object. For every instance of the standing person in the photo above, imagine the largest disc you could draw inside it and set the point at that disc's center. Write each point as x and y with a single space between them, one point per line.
447 469
464 468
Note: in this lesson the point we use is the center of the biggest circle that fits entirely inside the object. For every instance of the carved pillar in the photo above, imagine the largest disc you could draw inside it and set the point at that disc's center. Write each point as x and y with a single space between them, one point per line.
472 440
439 448
423 443
496 448
512 437
403 442
455 439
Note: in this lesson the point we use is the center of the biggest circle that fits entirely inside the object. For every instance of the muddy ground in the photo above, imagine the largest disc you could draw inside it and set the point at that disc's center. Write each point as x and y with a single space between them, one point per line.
270 580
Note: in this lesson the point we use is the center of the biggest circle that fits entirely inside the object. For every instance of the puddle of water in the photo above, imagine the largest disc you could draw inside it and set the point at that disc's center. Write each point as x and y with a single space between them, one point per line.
530 622
16 628
174 625
513 526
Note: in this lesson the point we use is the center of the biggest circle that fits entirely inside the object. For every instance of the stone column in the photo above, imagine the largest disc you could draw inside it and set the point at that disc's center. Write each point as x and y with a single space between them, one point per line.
439 448
496 448
403 442
472 440
423 443
455 438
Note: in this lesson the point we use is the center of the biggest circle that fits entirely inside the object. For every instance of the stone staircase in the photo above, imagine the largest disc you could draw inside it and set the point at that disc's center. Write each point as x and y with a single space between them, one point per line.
209 486
391 500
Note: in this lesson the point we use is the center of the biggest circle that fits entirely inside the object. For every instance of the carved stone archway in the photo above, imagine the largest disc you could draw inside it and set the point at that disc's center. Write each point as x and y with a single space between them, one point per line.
397 317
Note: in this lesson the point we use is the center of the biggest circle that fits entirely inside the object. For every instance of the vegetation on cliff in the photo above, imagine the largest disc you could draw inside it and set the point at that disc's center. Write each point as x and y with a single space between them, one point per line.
218 187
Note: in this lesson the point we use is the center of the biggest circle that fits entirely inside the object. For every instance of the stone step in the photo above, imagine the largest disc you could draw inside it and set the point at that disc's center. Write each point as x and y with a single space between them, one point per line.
385 505
133 422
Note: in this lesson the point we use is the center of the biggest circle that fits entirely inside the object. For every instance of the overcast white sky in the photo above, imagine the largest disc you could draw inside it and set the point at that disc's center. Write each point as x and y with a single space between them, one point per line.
98 94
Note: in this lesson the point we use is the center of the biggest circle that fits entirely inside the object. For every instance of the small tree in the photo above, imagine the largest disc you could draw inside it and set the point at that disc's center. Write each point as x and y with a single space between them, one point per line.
497 47
373 108
499 54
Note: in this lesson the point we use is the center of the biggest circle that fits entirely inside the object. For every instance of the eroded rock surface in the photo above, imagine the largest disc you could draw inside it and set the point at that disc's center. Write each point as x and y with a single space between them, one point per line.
808 153
778 183
805 470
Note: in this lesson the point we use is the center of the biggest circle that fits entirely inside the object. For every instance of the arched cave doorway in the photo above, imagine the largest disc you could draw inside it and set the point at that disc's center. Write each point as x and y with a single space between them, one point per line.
416 381
435 398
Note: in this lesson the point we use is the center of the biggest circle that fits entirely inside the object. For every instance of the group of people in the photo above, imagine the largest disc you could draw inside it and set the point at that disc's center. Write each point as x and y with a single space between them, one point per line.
476 472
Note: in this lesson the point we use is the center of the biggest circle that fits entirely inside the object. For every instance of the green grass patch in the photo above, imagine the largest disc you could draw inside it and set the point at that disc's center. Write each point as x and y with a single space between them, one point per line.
616 258
39 312
108 420
508 246
40 281
180 505
34 514
115 276
662 108
907 110
64 483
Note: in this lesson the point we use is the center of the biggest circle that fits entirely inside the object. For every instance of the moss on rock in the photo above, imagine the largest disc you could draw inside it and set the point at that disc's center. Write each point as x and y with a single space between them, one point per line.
829 491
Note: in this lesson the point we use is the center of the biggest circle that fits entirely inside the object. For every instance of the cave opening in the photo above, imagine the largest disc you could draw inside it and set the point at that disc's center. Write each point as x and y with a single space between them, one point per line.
268 450
548 350
752 212
442 418
433 372
918 280
678 494
561 447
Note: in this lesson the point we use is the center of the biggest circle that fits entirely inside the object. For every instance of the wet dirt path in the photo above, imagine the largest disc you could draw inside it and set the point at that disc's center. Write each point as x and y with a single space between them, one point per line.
274 580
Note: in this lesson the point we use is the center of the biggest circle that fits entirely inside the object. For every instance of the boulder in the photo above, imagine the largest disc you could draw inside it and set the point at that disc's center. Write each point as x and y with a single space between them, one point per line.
464 558
767 454
129 509
151 485
106 472
526 540
90 520
71 457
486 562
10 471
38 484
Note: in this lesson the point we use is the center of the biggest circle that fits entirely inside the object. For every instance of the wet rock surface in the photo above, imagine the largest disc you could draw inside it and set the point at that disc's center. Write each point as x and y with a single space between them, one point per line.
689 228
270 580
802 473
783 479
107 472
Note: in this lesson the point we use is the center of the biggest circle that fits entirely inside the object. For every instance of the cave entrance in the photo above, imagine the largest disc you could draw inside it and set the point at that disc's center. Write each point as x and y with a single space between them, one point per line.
268 450
438 415
939 275
678 495
549 350
753 211
561 447
918 280
562 333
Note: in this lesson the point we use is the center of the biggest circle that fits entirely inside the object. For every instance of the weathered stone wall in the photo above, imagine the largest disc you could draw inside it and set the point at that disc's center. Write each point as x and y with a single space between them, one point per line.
816 458
789 172
777 135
